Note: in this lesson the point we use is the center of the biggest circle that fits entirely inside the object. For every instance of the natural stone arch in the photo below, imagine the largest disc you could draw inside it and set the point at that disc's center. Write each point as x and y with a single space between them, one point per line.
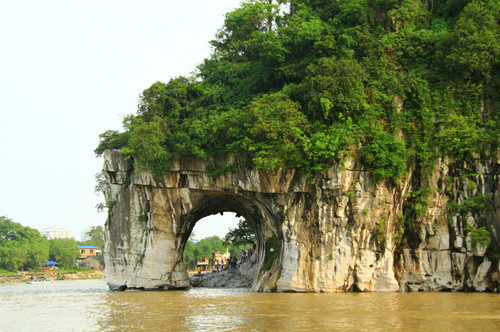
265 224
151 220
329 227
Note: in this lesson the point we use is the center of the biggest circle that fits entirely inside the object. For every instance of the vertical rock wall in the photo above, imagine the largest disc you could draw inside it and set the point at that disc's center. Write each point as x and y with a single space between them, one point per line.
443 254
339 231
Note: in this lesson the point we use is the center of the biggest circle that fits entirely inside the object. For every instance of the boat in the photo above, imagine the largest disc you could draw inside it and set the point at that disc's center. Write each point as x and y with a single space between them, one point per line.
38 281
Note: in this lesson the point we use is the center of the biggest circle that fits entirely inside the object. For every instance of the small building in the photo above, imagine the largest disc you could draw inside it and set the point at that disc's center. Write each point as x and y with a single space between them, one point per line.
203 266
86 251
90 262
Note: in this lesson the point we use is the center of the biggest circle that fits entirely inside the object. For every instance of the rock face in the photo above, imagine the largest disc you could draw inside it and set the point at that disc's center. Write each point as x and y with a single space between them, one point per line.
338 231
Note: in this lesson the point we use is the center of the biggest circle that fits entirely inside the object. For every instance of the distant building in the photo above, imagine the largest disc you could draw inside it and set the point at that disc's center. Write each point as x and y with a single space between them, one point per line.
90 262
203 266
86 251
85 235
57 232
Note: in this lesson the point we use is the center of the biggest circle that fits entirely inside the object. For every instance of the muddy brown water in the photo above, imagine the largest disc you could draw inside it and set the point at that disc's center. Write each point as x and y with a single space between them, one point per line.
87 305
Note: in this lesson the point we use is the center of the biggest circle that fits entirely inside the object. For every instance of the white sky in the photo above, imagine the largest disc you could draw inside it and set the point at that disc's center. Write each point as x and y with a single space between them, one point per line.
69 70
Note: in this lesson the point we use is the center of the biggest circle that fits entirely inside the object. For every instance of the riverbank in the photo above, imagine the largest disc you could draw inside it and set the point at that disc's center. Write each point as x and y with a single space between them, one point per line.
21 276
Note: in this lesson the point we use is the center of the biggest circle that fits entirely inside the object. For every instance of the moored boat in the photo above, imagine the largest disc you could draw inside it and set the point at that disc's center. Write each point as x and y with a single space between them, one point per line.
38 281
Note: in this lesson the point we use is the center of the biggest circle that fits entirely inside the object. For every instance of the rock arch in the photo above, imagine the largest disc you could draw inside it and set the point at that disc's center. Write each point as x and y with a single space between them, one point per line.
338 231
150 220
258 213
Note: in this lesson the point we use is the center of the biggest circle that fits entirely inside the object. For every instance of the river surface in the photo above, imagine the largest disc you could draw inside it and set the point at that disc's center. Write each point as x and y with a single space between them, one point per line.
87 305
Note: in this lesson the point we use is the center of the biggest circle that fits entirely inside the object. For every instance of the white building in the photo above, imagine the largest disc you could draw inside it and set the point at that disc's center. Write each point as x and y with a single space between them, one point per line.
57 232
85 234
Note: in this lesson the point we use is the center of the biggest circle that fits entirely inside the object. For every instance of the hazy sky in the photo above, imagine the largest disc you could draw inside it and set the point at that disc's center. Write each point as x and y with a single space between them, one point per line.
69 70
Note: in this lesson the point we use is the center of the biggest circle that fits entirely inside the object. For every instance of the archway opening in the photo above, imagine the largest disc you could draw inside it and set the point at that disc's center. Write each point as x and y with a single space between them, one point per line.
266 238
218 242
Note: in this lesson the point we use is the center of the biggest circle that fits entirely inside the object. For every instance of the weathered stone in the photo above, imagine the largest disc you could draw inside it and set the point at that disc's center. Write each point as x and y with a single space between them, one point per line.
339 231
480 282
241 276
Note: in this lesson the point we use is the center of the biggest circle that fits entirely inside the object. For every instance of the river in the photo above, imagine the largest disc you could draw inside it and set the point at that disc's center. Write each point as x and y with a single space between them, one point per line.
87 305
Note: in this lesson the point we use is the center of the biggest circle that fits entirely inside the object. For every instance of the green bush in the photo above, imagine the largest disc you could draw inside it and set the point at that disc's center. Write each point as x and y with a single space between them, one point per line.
380 228
386 156
475 203
478 235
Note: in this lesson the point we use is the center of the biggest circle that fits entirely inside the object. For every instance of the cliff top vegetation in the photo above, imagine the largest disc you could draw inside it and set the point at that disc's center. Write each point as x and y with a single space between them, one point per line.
304 83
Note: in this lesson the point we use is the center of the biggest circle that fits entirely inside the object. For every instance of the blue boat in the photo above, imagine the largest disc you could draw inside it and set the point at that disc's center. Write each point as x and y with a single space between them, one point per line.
38 281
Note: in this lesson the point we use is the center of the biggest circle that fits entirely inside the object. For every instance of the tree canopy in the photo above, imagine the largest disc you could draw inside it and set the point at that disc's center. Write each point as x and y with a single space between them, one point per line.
303 83
21 248
242 235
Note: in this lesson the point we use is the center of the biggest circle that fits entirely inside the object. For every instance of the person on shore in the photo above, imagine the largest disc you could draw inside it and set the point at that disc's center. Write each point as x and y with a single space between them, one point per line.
243 256
217 265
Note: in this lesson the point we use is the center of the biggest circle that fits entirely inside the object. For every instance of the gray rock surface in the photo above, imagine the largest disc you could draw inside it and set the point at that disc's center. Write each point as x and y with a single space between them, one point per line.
240 276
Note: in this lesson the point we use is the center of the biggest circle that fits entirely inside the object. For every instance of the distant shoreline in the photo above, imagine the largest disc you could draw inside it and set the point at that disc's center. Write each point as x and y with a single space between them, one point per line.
24 276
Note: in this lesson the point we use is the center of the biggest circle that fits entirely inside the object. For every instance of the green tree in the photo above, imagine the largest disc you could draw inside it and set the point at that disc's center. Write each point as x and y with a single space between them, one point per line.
21 247
460 136
473 46
64 252
111 139
189 255
12 258
202 249
242 235
147 145
278 132
334 89
38 253
386 155
96 234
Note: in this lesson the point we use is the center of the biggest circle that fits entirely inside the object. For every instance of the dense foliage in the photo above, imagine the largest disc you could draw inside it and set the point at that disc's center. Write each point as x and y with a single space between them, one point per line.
302 83
23 248
242 235
195 251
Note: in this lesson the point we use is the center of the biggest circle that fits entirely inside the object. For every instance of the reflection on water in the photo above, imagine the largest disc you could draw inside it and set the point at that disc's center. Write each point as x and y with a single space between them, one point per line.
87 305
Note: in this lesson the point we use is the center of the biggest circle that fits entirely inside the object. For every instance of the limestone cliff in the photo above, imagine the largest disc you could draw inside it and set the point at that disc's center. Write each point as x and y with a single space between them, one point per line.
338 231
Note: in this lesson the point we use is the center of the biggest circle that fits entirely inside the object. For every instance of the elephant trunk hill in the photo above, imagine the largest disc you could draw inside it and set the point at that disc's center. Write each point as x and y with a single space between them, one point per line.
359 138
338 231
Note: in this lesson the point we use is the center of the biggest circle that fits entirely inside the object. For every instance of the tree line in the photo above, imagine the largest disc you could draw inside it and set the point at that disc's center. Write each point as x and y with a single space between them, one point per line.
24 249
